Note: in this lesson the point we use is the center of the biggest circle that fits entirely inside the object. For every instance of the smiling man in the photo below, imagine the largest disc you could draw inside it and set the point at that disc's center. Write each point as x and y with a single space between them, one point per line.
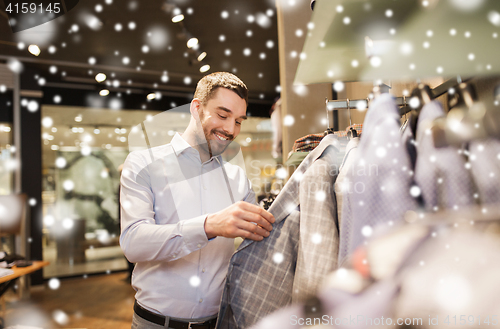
182 206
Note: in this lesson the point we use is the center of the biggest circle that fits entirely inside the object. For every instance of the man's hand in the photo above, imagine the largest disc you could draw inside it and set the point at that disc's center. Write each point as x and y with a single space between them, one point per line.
238 220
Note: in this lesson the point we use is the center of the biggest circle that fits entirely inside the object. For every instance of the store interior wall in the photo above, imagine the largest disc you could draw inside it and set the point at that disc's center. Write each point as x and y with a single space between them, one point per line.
305 104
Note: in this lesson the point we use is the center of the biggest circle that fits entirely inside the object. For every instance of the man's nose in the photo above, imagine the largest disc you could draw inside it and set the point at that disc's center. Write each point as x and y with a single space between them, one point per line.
229 128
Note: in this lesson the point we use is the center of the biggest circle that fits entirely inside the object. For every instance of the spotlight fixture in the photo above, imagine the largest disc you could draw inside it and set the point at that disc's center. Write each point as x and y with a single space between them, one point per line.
151 96
204 68
104 92
202 56
100 77
192 42
178 18
34 50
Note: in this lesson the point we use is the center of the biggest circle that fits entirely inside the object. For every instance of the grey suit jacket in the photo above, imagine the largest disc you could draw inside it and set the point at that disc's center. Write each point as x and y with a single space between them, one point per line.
302 247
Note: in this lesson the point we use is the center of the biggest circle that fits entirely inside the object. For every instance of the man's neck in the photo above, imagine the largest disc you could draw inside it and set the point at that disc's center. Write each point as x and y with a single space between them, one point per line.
190 137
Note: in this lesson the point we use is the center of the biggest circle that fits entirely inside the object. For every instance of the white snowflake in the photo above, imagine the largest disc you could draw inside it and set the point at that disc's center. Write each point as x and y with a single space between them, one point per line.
67 223
278 258
320 196
415 191
316 238
60 317
194 281
367 231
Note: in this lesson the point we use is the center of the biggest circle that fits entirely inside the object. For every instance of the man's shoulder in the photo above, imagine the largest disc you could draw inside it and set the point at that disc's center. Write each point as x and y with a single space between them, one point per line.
149 155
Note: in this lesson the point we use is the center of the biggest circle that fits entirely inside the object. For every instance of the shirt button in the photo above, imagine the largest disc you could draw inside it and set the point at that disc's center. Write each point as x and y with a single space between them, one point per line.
201 299
203 270
199 245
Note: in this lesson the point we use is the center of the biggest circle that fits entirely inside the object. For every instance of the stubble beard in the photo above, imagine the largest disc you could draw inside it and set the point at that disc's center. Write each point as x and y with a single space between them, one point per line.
205 141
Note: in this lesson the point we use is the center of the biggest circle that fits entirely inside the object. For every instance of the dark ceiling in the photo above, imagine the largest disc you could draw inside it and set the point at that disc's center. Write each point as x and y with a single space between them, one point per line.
100 35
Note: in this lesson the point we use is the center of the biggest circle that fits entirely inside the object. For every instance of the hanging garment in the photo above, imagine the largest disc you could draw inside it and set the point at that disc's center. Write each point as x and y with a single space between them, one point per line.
428 285
343 133
442 174
381 178
307 143
343 185
276 123
485 160
409 141
302 247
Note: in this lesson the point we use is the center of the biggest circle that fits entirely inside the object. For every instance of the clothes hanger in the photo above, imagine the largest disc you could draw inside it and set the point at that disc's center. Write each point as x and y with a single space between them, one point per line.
420 96
468 119
352 133
329 130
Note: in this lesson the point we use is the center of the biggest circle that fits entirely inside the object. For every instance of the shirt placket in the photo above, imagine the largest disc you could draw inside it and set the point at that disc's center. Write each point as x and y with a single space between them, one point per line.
204 168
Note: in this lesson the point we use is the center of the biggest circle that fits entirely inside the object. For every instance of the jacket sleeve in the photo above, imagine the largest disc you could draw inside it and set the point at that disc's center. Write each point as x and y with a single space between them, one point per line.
319 237
141 238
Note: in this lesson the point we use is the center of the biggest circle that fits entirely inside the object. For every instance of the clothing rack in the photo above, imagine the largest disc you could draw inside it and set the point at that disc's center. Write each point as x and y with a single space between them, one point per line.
401 101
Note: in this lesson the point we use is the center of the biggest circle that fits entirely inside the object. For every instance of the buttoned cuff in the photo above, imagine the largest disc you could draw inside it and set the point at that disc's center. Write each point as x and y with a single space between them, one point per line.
193 233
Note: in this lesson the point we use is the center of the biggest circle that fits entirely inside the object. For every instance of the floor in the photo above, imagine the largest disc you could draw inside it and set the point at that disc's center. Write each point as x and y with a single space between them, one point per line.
97 302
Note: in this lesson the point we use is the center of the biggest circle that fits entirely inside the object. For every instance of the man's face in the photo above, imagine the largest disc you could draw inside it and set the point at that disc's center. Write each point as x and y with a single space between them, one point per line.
221 120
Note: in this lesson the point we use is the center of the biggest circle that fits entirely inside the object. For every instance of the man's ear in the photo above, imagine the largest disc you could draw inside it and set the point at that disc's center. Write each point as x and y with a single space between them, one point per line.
194 108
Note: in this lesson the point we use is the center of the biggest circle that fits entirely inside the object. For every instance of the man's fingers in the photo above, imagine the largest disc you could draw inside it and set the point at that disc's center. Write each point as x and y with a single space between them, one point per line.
257 219
249 235
252 228
258 210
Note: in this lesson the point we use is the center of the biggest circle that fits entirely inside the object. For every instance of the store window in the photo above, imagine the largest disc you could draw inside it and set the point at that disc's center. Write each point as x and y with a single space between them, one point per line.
82 150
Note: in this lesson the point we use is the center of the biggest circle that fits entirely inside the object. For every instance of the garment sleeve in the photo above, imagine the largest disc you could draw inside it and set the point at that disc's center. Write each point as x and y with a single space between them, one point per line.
143 240
319 237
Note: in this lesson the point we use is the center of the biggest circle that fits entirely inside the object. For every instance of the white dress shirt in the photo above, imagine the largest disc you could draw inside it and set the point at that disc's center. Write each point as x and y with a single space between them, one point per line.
166 195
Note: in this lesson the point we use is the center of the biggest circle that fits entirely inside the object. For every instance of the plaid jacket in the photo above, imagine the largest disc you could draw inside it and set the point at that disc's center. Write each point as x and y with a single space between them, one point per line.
302 247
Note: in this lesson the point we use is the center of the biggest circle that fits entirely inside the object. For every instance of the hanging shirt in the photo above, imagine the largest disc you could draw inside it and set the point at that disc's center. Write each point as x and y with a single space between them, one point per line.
381 178
485 160
166 195
442 174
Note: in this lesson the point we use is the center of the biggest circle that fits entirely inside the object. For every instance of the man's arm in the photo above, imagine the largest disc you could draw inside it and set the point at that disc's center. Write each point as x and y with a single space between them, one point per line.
141 238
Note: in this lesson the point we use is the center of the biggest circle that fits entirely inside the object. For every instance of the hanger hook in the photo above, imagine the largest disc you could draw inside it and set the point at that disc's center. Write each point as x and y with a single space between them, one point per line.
349 109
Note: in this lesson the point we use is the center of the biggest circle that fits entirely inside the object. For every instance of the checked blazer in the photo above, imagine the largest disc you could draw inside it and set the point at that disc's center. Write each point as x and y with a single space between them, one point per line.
302 247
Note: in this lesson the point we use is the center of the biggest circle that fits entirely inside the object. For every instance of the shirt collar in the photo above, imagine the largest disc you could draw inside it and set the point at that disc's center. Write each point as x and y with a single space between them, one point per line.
179 144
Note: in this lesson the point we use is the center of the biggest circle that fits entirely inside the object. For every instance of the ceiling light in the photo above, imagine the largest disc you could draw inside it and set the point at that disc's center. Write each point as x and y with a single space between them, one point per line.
192 42
151 96
178 18
202 56
100 77
104 92
204 68
35 50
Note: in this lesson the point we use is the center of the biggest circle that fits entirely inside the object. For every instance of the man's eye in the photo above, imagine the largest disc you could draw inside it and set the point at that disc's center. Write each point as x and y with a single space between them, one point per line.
238 123
222 117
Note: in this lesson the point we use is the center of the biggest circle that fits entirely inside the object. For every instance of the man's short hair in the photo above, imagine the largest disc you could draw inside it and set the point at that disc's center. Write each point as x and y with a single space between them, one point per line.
208 85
